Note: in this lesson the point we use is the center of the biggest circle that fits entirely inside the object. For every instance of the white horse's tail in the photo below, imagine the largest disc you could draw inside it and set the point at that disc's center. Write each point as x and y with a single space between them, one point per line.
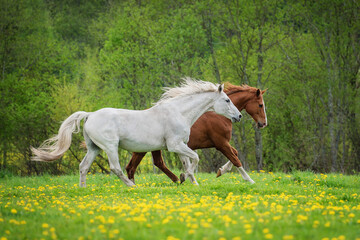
53 148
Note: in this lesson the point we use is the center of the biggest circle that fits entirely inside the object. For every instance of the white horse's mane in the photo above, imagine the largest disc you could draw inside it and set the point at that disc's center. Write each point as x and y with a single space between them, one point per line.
188 86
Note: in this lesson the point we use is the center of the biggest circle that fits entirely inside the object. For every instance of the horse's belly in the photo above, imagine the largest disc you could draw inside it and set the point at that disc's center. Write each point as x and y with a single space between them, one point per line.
138 146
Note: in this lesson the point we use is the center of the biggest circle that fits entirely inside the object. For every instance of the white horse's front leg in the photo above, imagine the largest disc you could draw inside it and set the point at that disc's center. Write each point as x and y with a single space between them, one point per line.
224 169
185 153
244 175
189 169
115 166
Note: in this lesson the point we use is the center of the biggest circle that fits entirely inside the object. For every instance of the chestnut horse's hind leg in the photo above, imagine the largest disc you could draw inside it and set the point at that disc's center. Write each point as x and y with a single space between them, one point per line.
159 162
133 164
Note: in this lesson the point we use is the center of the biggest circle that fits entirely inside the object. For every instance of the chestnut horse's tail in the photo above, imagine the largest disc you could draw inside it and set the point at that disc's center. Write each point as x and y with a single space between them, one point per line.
53 148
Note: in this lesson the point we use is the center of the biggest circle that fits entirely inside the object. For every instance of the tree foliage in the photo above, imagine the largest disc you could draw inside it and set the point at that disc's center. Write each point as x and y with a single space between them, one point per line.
58 57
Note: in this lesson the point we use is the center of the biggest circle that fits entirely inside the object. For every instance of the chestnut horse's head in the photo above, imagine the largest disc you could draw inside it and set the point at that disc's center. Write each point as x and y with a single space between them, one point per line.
250 99
256 108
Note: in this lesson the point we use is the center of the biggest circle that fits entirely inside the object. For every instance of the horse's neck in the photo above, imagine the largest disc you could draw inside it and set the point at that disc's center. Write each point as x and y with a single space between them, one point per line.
240 99
192 107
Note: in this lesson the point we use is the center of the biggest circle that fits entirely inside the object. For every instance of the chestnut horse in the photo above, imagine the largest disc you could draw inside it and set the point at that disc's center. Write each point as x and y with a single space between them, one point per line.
213 130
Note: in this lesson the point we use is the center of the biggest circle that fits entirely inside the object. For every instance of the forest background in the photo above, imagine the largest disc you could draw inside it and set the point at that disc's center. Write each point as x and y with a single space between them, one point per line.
58 57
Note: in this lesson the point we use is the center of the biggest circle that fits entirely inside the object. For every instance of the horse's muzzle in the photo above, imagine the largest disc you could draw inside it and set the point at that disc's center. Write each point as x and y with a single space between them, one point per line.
237 119
261 125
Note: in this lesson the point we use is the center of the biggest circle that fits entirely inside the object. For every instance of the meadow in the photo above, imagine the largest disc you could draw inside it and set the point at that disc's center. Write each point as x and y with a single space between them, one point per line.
300 205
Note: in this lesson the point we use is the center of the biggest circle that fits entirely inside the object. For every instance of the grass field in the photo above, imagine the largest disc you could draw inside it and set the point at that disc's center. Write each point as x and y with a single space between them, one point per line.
301 205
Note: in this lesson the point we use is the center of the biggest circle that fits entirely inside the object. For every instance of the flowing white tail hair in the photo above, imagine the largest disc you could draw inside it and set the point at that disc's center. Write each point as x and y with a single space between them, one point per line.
53 148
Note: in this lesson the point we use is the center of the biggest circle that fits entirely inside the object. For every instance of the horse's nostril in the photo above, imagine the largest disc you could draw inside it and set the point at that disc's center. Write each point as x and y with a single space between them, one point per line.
240 116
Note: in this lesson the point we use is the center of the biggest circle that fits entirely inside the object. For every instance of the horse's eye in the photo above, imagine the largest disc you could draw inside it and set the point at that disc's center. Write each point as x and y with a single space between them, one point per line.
260 105
227 100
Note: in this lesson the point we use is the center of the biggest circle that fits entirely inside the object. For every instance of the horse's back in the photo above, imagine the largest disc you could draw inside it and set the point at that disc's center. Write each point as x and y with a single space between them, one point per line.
133 130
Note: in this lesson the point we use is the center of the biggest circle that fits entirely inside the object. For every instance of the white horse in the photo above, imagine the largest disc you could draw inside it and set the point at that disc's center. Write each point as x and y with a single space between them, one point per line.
166 125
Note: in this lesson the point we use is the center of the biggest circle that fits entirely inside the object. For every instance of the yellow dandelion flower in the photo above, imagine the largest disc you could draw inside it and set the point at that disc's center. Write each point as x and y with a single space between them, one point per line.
269 236
247 226
45 225
236 238
327 224
3 238
351 215
205 225
13 211
111 220
172 238
288 237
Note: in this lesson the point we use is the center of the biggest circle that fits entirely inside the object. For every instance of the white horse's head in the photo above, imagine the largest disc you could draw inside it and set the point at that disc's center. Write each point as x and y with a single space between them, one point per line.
224 106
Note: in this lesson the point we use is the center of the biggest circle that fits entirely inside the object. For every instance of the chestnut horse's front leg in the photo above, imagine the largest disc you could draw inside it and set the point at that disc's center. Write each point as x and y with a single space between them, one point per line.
231 154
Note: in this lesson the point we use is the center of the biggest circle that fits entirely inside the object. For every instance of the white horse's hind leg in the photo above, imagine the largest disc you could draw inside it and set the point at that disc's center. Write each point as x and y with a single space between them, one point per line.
244 175
224 169
85 165
92 152
115 167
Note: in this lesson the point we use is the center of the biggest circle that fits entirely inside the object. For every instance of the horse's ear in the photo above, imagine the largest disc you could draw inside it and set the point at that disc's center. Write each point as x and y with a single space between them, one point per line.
264 91
221 87
258 92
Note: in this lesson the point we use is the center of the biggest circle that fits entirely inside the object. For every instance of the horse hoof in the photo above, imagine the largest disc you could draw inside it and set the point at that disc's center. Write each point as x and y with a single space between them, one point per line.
129 183
182 178
132 179
218 173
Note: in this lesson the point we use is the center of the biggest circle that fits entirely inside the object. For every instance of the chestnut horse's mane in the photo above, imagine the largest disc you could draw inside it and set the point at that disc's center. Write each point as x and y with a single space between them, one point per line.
230 89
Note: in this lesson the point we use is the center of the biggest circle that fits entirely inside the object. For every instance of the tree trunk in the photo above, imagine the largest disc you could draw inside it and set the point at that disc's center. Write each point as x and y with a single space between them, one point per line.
258 138
241 148
258 149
